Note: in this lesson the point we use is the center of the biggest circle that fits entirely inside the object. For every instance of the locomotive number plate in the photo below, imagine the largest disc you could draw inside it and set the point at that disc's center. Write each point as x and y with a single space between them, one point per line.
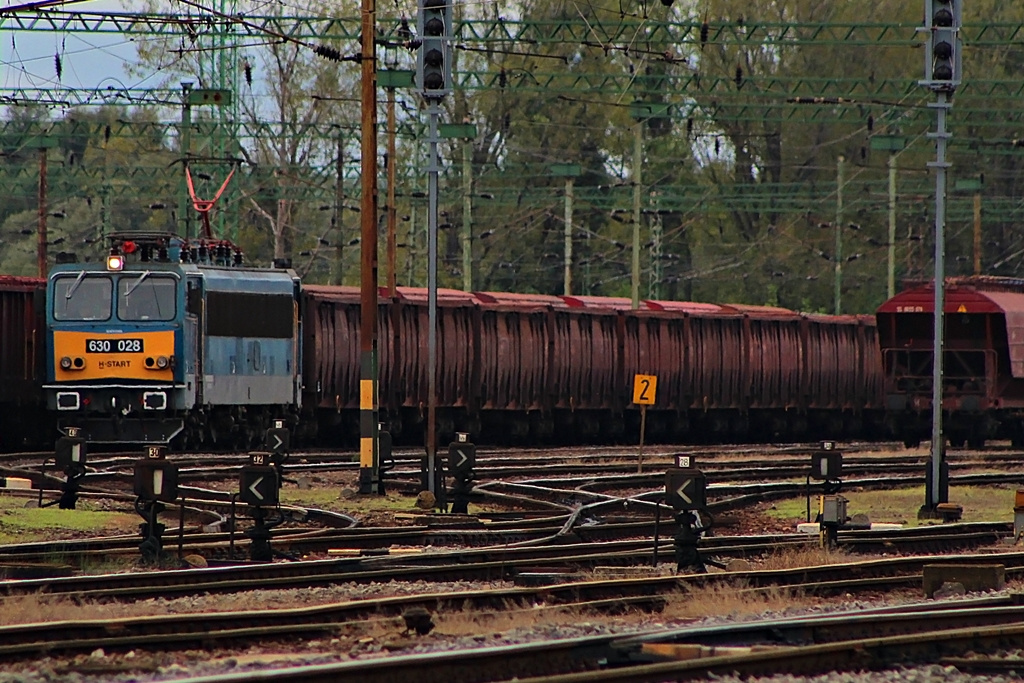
113 346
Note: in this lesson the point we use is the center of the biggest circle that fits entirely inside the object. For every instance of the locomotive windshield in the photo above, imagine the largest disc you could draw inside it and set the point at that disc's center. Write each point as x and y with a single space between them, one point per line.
83 297
146 297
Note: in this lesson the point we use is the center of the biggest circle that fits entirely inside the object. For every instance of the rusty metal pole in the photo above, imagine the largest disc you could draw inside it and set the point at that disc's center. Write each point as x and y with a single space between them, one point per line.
392 213
369 472
41 243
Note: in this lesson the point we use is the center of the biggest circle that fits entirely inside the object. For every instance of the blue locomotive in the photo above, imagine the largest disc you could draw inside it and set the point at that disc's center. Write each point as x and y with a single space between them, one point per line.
171 339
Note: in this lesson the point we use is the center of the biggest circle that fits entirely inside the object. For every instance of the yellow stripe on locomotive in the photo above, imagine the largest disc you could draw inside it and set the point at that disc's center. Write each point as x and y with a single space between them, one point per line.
136 355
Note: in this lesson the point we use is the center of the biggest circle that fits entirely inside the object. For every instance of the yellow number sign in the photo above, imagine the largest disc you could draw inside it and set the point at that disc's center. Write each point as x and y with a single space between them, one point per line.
645 388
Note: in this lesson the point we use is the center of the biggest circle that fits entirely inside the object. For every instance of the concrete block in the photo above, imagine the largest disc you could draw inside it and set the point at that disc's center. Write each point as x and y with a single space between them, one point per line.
974 577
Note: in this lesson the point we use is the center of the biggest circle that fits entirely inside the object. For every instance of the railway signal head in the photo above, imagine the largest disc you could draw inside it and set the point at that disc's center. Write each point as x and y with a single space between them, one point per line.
70 451
156 478
434 61
461 456
943 61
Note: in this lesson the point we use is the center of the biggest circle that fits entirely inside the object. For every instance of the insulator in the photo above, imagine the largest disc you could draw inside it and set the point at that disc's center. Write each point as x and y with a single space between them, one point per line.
328 52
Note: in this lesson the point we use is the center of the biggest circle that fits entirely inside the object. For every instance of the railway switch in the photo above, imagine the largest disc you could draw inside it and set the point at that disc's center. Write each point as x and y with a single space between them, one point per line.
70 456
686 489
156 483
461 461
260 488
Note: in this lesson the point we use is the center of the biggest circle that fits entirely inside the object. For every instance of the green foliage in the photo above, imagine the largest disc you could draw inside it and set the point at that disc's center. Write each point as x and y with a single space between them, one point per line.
739 183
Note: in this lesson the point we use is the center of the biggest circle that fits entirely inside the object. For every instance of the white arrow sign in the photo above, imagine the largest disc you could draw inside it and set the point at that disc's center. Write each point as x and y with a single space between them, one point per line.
280 442
681 491
461 455
253 486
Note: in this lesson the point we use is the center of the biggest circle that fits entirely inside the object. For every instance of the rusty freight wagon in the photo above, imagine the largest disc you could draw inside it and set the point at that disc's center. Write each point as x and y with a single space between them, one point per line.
983 361
517 367
24 422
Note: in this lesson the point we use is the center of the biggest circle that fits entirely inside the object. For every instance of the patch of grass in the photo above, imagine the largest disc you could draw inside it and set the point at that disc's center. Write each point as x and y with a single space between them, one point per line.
20 524
900 506
731 601
813 556
31 609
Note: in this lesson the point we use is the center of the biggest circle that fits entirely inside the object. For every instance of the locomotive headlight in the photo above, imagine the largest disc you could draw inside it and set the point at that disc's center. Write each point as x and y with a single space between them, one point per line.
115 262
65 363
162 362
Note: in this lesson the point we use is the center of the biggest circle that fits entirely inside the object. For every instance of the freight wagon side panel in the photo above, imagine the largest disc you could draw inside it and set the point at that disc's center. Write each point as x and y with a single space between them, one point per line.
873 378
824 383
584 359
332 352
20 341
454 354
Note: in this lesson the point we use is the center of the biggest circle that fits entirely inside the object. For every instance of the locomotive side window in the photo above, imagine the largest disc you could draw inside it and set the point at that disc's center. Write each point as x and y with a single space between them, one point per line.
243 314
82 298
146 297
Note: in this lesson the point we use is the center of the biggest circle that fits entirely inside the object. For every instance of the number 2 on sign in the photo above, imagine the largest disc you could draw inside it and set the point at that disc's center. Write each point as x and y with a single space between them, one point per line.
645 388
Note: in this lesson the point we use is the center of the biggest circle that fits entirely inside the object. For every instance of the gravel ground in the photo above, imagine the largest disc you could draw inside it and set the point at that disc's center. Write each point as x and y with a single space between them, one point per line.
377 638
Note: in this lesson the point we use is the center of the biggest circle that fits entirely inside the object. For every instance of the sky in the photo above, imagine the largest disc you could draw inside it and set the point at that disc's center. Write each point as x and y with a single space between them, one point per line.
88 60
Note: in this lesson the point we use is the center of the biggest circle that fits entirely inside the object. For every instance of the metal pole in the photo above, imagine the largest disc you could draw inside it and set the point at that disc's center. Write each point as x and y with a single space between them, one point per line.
433 168
568 236
392 213
939 494
414 250
368 412
339 208
41 233
184 214
467 215
638 142
891 283
977 233
839 235
656 262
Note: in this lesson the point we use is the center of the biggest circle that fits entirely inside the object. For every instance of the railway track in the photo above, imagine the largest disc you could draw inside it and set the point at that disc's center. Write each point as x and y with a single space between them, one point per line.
803 645
532 565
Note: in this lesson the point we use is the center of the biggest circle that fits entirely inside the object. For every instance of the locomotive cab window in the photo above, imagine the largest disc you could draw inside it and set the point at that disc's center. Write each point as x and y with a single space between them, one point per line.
146 296
82 297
